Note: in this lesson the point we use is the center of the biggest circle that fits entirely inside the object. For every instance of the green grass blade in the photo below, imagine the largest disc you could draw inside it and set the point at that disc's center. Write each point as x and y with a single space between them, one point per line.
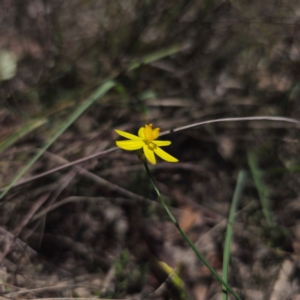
262 189
21 132
101 91
147 59
226 256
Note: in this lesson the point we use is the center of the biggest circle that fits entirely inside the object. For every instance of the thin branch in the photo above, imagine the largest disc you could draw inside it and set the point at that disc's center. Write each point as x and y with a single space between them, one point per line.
65 166
241 119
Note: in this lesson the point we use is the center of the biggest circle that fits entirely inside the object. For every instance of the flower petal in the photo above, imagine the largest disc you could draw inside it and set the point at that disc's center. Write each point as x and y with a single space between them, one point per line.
164 155
162 143
130 145
149 154
127 135
141 133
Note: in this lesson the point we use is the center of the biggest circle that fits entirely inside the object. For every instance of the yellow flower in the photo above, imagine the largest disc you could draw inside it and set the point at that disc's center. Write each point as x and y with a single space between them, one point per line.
146 139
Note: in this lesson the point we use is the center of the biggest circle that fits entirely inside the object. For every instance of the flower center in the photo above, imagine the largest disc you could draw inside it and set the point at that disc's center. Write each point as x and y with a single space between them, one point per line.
150 135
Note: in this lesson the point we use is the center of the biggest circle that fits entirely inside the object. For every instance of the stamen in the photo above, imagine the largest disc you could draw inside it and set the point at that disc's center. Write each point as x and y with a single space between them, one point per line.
150 133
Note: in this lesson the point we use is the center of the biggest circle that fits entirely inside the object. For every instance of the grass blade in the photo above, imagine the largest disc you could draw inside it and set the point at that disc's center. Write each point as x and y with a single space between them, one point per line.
101 91
21 132
226 256
147 59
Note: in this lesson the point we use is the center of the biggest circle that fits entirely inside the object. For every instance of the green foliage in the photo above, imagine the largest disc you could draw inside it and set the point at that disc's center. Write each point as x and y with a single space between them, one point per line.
263 190
276 237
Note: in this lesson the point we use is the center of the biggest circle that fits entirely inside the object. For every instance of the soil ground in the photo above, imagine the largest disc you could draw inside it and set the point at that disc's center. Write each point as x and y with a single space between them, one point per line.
97 229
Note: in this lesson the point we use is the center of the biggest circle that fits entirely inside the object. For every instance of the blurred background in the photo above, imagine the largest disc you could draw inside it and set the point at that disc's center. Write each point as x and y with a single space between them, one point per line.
97 230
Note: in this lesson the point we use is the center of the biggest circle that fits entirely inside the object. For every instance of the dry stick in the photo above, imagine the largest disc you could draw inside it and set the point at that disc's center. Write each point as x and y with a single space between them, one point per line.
108 184
73 199
84 298
93 298
90 175
95 155
10 240
24 222
241 119
101 181
191 166
96 178
8 236
70 164
29 215
63 285
64 182
111 186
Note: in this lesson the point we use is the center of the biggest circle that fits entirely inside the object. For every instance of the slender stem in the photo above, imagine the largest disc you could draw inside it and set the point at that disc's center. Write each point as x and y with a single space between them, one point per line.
191 244
226 257
241 119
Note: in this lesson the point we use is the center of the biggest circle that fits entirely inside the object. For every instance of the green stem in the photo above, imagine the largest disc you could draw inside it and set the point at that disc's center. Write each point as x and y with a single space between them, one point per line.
226 257
191 244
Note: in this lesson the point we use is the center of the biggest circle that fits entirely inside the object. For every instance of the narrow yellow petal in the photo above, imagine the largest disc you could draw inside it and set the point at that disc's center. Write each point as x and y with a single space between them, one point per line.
164 155
149 154
130 145
161 143
141 133
127 135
